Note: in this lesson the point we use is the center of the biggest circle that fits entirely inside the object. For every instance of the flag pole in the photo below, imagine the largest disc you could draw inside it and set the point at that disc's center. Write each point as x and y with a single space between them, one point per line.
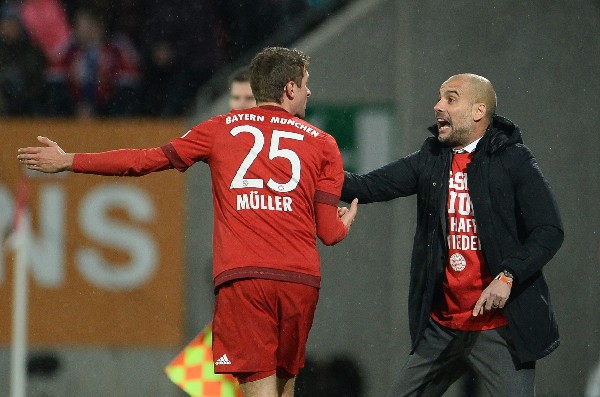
20 237
18 360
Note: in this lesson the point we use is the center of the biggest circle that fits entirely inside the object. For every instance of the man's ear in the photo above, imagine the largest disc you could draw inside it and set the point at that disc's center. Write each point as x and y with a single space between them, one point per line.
479 110
290 89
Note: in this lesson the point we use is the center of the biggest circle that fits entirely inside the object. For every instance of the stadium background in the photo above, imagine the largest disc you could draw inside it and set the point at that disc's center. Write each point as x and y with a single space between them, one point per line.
376 69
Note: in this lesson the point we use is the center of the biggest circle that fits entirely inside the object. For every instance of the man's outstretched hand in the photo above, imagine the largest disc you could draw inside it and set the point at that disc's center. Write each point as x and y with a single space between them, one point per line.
49 158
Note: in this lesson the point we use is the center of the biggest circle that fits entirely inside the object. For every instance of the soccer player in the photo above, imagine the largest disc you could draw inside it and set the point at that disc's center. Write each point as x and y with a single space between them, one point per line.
276 183
240 98
240 91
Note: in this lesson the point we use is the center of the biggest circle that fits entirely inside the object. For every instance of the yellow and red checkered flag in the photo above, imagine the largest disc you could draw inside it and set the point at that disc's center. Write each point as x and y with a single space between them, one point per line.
193 370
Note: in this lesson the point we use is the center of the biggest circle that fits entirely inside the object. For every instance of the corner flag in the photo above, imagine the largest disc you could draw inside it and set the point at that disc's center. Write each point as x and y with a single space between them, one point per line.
193 370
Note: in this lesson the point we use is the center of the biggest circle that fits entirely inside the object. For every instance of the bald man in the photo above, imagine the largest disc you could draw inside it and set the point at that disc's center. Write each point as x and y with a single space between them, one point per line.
487 223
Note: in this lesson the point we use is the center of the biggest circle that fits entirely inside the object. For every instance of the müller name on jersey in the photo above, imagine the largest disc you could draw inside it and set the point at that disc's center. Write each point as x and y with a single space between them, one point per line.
255 201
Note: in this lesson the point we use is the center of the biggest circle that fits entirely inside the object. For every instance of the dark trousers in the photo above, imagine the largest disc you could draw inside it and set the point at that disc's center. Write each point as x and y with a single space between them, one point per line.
443 355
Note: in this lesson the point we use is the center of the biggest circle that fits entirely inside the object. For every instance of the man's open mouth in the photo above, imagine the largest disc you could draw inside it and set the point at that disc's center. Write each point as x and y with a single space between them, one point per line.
443 125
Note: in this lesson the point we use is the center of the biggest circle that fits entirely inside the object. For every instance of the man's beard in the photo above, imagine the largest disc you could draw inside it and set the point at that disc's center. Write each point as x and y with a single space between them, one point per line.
458 137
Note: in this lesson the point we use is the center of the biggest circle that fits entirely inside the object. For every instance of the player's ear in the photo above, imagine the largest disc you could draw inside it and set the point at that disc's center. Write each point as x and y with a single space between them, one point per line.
289 89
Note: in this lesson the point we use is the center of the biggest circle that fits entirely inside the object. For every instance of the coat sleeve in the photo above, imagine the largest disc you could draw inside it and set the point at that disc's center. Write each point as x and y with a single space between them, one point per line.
397 179
537 214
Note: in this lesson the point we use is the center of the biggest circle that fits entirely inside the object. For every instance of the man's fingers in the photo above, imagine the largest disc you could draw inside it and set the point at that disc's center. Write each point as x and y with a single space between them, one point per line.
46 141
50 143
348 217
28 160
354 206
352 211
342 211
486 304
477 310
489 303
49 158
36 149
28 150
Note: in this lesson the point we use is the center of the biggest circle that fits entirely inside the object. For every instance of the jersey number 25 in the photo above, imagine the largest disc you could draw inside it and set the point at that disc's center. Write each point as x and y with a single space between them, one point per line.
239 181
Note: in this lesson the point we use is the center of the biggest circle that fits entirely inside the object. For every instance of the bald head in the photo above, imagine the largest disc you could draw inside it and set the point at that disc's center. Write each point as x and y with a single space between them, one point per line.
480 90
464 110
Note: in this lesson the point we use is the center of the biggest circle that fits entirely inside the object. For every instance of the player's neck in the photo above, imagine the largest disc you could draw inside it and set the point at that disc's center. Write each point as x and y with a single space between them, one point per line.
279 105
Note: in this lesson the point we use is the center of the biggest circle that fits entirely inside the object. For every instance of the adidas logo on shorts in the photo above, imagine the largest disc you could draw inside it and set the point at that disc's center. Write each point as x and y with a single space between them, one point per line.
223 360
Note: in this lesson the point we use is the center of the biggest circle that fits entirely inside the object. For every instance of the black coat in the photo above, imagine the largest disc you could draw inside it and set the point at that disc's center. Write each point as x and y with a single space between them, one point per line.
517 218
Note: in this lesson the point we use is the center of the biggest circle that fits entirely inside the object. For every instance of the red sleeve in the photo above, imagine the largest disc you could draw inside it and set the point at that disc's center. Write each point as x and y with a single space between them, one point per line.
331 175
195 145
123 162
330 228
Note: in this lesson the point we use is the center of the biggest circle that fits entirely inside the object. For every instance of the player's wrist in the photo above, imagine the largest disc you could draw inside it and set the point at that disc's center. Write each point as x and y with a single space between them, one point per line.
68 162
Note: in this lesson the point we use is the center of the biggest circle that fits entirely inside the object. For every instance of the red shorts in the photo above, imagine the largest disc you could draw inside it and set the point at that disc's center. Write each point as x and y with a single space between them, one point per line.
260 328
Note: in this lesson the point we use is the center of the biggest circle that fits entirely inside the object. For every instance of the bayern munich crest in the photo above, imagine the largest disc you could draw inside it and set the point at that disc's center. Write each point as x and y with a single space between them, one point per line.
458 262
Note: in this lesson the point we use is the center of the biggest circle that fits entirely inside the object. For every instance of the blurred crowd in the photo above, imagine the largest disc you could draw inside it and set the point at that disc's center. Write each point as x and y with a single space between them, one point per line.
92 58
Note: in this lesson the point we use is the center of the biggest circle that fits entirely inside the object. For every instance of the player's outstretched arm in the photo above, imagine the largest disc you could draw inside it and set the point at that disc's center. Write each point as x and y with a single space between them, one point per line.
49 158
121 162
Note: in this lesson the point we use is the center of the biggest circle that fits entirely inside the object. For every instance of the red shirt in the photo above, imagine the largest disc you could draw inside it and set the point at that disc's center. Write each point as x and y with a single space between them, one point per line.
467 274
272 174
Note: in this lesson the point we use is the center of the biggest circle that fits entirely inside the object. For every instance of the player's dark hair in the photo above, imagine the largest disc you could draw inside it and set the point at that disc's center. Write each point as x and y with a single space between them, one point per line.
273 68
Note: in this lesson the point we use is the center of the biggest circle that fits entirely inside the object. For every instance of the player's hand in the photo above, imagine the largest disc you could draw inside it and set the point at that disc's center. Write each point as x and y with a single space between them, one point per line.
49 158
493 297
347 215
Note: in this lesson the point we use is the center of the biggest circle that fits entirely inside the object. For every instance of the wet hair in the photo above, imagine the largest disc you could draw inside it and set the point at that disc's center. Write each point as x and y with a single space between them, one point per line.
273 68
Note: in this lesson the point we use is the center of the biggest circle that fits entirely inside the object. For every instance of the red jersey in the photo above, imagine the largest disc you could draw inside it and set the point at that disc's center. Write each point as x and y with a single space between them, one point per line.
466 272
267 168
273 177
